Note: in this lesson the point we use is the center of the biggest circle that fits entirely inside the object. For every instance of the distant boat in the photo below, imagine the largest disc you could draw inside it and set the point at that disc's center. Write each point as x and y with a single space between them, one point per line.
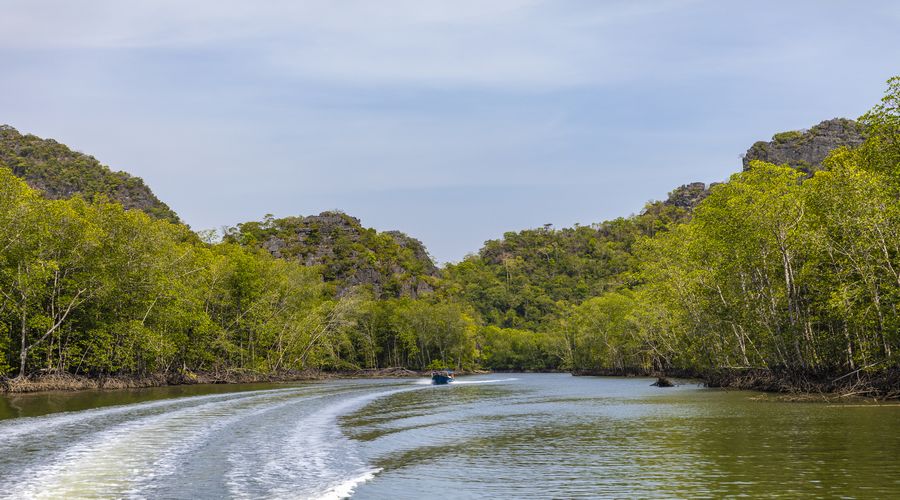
441 377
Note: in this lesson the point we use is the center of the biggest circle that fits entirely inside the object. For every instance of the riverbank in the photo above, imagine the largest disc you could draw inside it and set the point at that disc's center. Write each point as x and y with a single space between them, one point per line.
883 384
69 382
880 384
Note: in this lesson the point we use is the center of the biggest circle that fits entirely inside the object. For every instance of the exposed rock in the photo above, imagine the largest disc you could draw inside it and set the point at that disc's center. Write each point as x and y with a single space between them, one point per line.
389 263
805 150
274 245
58 172
688 196
417 248
663 382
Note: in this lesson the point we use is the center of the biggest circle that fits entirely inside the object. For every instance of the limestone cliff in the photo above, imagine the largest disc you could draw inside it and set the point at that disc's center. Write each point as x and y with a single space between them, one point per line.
688 195
58 172
390 263
805 149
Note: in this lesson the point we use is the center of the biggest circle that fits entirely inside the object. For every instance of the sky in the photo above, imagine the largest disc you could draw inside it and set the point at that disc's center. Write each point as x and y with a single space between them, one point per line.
453 121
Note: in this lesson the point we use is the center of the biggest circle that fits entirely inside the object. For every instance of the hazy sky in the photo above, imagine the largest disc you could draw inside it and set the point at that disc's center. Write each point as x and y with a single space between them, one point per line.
453 121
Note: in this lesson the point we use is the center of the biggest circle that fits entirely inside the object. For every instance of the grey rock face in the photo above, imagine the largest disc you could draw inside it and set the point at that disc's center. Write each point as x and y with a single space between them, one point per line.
274 245
417 247
390 263
688 195
59 172
805 150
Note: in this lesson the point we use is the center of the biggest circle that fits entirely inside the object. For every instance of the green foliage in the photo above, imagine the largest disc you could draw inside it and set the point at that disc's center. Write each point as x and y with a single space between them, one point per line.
773 269
437 365
606 334
527 279
58 172
783 137
89 287
881 152
777 273
759 148
390 264
518 350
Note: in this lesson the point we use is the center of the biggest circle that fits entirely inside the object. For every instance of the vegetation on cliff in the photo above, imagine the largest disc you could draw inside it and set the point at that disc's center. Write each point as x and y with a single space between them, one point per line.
389 264
58 172
91 288
776 270
527 279
807 149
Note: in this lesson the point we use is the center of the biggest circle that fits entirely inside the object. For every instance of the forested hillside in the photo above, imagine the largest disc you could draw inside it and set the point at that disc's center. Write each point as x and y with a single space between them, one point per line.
388 264
58 172
525 279
779 270
91 288
789 269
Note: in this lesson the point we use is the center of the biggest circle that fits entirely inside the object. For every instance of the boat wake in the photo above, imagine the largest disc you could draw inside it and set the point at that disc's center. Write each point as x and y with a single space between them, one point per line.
275 444
311 455
427 381
346 488
491 381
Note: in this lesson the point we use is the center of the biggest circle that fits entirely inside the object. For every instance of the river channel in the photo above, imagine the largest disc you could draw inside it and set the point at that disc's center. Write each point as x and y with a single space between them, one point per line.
487 436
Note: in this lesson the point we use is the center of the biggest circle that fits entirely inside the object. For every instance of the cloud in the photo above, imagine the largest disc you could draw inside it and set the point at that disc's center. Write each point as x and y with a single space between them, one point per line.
418 111
500 43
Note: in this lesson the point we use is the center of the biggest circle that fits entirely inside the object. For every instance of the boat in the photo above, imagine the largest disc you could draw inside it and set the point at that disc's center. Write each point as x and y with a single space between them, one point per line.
441 377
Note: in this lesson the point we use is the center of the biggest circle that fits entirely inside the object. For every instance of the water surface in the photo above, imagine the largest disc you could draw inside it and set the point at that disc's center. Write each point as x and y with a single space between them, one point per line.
493 436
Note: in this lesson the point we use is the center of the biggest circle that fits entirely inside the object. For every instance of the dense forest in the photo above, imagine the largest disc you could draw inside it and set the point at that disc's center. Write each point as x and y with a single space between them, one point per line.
790 267
388 264
58 172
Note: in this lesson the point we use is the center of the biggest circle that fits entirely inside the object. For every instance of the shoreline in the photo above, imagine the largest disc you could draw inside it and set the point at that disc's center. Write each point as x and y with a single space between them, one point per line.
793 386
883 385
64 382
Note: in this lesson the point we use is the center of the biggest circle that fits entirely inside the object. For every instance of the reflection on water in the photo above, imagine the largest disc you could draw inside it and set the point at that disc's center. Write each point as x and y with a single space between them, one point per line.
520 436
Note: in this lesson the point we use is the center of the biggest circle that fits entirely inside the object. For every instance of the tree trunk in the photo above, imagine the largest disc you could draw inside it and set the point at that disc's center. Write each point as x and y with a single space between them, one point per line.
23 352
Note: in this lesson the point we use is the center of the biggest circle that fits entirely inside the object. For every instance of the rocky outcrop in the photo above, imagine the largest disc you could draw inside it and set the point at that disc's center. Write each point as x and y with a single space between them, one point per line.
805 149
801 149
58 172
416 247
390 263
688 195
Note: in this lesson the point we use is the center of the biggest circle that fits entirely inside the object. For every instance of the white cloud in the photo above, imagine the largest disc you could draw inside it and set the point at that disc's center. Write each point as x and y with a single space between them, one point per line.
508 43
418 110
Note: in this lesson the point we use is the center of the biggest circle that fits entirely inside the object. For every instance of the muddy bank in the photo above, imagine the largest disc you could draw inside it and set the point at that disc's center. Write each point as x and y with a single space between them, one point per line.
639 372
68 382
881 384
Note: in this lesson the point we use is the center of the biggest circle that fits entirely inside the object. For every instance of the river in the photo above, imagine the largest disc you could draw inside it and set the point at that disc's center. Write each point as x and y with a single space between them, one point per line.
489 436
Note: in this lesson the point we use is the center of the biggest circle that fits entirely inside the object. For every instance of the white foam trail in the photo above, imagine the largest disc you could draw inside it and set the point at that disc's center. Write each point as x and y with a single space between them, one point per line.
492 381
125 451
427 381
315 456
114 462
14 429
345 489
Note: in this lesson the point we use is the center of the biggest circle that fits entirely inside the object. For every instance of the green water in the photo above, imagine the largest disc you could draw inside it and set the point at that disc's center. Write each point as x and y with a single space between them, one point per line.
493 436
